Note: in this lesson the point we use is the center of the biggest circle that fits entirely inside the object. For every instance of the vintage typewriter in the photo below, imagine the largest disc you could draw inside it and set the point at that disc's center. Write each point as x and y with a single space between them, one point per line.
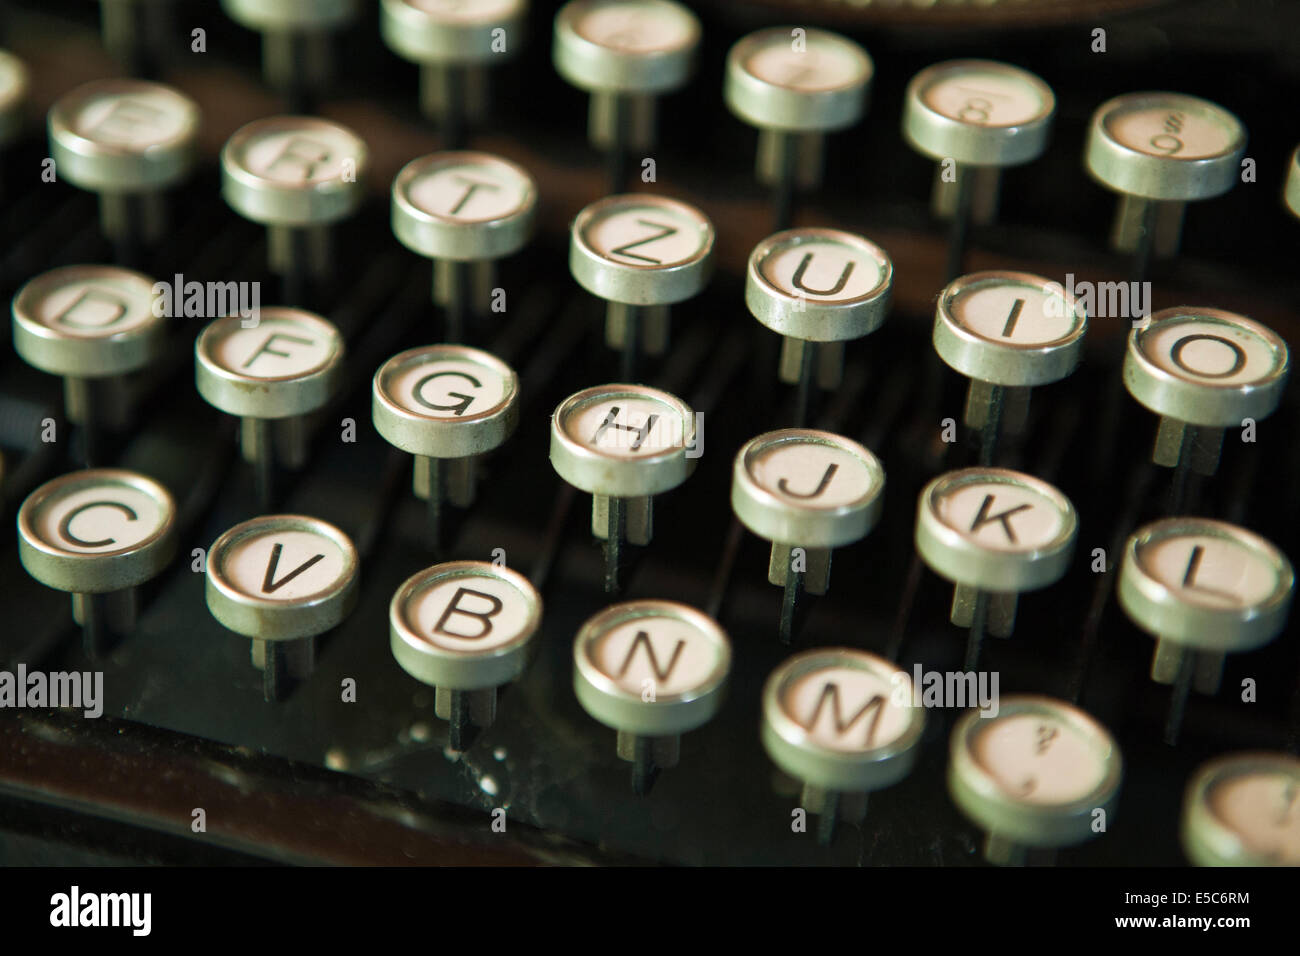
332 321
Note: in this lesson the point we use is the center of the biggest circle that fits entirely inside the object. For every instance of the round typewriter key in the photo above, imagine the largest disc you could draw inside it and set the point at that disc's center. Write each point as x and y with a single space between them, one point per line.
296 54
128 141
623 444
281 366
818 288
445 404
1203 588
90 325
624 53
1037 773
994 533
453 43
844 723
281 580
1244 810
1160 151
98 534
465 628
464 211
975 117
795 85
641 254
1291 193
1201 371
1007 332
14 82
807 492
652 670
296 175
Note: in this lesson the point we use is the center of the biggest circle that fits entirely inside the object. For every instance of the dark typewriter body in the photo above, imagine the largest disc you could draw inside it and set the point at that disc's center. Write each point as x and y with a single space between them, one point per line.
314 779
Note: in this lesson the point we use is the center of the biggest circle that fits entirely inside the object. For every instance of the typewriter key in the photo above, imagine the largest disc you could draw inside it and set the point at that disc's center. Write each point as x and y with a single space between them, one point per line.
445 404
1291 193
464 211
818 288
296 175
1201 371
279 367
1203 588
453 43
1160 151
14 82
1006 331
464 628
844 723
1038 773
282 580
641 254
807 492
623 444
128 141
1244 810
296 56
994 533
975 117
624 53
651 670
91 325
98 534
795 85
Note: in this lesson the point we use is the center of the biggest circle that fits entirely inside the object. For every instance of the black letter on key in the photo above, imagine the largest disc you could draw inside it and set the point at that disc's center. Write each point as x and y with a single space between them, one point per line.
267 350
65 526
459 408
642 640
1238 356
784 487
803 268
269 584
483 616
611 421
984 517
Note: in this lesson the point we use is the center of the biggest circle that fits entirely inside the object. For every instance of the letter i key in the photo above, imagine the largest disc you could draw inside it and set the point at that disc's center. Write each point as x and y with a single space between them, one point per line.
623 444
807 492
1008 332
466 629
844 723
651 670
281 580
994 533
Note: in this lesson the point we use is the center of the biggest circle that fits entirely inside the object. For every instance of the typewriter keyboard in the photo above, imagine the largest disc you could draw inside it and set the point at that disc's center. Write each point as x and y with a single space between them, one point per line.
474 431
